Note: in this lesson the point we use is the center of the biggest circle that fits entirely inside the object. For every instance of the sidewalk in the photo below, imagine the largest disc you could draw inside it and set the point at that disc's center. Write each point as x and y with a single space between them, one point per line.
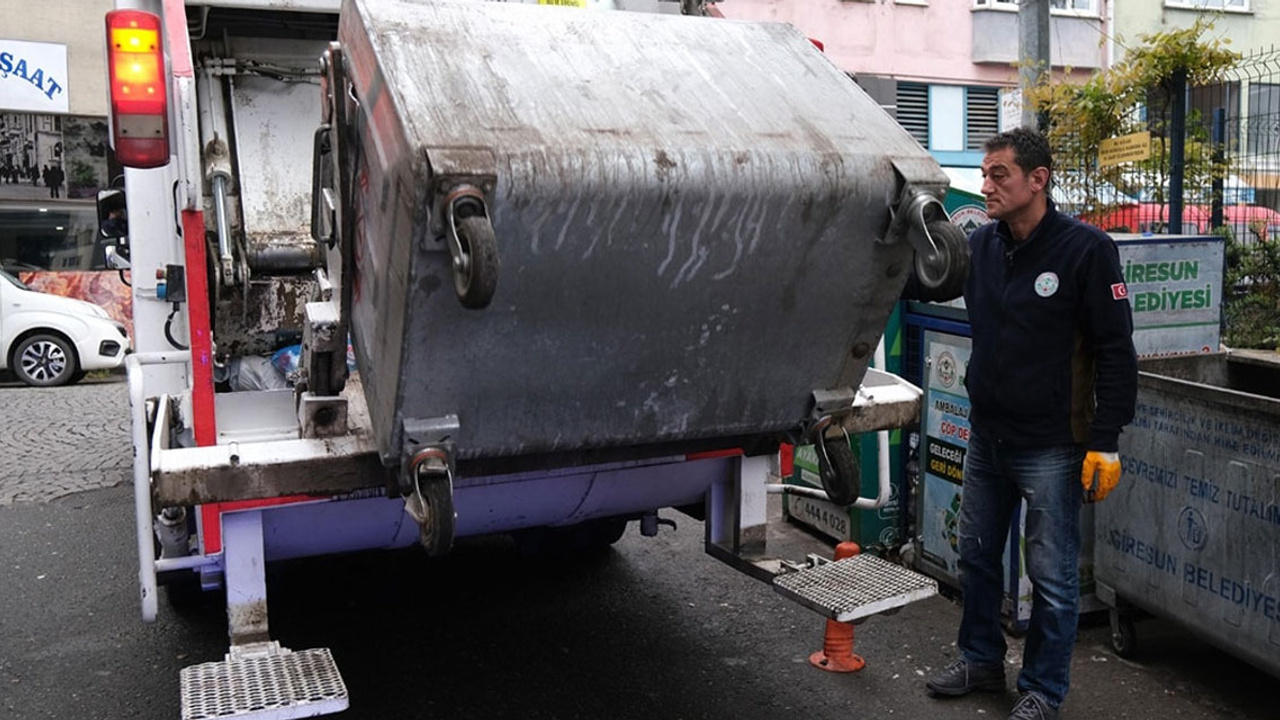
27 191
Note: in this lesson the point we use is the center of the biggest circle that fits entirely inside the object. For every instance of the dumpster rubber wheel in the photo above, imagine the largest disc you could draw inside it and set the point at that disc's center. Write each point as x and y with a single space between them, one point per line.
838 469
942 276
477 279
436 535
1124 636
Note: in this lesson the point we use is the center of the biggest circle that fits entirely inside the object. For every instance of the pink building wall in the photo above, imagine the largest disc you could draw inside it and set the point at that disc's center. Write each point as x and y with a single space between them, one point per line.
926 43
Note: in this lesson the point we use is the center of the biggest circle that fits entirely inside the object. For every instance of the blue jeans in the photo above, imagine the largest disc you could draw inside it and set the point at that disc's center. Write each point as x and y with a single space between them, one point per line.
996 476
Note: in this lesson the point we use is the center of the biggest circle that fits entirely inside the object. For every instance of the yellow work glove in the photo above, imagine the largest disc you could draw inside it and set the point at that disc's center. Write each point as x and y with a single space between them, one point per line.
1100 475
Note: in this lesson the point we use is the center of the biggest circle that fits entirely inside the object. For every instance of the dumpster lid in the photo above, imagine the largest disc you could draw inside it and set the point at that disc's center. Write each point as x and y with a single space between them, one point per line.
535 77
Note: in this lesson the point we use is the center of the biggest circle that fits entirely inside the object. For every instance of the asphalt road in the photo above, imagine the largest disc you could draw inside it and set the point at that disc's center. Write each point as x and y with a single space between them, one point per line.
652 628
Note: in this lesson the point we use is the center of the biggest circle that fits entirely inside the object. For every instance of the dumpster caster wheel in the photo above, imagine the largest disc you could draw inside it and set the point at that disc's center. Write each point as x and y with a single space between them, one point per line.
1124 636
838 469
475 266
436 533
942 274
430 501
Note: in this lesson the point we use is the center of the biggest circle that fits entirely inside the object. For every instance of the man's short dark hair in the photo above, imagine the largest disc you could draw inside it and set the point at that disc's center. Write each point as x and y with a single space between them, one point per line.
1030 148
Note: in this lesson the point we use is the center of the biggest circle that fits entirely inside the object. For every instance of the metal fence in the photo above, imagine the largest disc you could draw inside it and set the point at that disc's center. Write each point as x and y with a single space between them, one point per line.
1232 151
1237 122
1229 182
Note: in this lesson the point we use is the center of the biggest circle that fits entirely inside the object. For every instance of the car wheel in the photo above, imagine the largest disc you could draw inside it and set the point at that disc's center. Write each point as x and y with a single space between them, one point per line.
44 361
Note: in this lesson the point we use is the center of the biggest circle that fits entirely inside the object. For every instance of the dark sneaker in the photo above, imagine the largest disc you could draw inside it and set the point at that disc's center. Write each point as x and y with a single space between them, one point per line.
1033 707
962 678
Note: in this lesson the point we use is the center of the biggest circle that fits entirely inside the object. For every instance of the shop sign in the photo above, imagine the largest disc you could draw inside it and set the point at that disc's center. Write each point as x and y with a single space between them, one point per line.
33 77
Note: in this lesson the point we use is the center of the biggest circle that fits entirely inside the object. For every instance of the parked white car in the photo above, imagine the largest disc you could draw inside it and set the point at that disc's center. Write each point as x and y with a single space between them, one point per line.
50 340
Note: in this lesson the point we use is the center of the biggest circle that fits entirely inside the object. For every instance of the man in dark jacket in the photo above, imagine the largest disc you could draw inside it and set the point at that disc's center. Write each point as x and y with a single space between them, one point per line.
54 180
1052 379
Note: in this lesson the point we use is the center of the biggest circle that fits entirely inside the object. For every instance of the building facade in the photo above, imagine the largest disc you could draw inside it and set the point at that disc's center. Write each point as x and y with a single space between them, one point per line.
54 149
946 69
1247 104
53 96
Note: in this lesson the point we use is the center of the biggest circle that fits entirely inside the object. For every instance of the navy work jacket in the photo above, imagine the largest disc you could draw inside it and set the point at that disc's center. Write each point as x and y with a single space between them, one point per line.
1053 361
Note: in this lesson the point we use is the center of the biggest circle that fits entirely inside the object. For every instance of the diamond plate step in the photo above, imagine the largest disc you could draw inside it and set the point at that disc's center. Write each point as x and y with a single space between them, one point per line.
264 681
855 587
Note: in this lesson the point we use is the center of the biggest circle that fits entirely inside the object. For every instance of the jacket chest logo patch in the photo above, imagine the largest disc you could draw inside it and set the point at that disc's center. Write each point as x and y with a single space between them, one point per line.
1046 284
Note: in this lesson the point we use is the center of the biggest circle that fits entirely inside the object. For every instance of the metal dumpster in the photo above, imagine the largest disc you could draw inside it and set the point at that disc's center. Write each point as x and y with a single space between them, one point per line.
658 210
1193 531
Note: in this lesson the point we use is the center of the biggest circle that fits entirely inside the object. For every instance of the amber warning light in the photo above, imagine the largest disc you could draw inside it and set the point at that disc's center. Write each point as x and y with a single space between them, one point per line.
139 103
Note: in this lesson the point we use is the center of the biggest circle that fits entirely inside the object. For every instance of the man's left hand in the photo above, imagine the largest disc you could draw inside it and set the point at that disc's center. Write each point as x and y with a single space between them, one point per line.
1100 475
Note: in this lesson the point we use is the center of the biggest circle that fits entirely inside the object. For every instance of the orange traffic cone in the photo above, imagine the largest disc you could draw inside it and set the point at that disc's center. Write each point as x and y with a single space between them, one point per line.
837 643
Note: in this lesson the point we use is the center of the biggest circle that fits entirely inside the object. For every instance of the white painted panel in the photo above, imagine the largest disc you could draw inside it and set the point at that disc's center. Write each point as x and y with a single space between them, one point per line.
946 117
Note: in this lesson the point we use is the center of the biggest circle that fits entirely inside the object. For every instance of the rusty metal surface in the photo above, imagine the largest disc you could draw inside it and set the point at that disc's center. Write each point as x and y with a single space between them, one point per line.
271 319
273 123
223 473
274 104
883 402
287 254
687 212
251 466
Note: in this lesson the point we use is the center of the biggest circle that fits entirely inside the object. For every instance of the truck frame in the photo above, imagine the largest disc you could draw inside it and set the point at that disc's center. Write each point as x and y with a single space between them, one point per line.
249 254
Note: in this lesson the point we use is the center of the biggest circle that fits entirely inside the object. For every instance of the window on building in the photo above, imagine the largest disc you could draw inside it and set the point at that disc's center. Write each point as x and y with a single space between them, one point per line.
982 116
913 110
1077 7
1206 100
1081 7
1203 102
949 117
1263 120
1208 4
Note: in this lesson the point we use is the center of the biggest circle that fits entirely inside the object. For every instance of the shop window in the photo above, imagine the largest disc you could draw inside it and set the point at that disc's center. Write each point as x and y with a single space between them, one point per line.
49 236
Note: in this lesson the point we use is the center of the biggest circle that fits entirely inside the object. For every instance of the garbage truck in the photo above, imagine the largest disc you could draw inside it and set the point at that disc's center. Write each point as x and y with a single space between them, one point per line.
537 267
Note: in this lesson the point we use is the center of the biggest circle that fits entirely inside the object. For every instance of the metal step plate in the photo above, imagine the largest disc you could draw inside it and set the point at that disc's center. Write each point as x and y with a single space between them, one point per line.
268 682
855 587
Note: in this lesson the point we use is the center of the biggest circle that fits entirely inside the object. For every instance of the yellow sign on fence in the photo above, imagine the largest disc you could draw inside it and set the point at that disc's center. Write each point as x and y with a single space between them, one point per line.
566 3
1123 149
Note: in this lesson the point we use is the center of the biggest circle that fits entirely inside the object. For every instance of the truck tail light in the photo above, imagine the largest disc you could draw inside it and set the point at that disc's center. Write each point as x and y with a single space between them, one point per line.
139 101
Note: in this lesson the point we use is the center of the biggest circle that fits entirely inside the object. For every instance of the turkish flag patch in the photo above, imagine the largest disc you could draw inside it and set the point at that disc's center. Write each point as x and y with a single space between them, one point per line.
1119 291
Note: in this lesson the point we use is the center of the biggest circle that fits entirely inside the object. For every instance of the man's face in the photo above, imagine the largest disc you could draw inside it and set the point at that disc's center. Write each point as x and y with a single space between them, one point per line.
1007 188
